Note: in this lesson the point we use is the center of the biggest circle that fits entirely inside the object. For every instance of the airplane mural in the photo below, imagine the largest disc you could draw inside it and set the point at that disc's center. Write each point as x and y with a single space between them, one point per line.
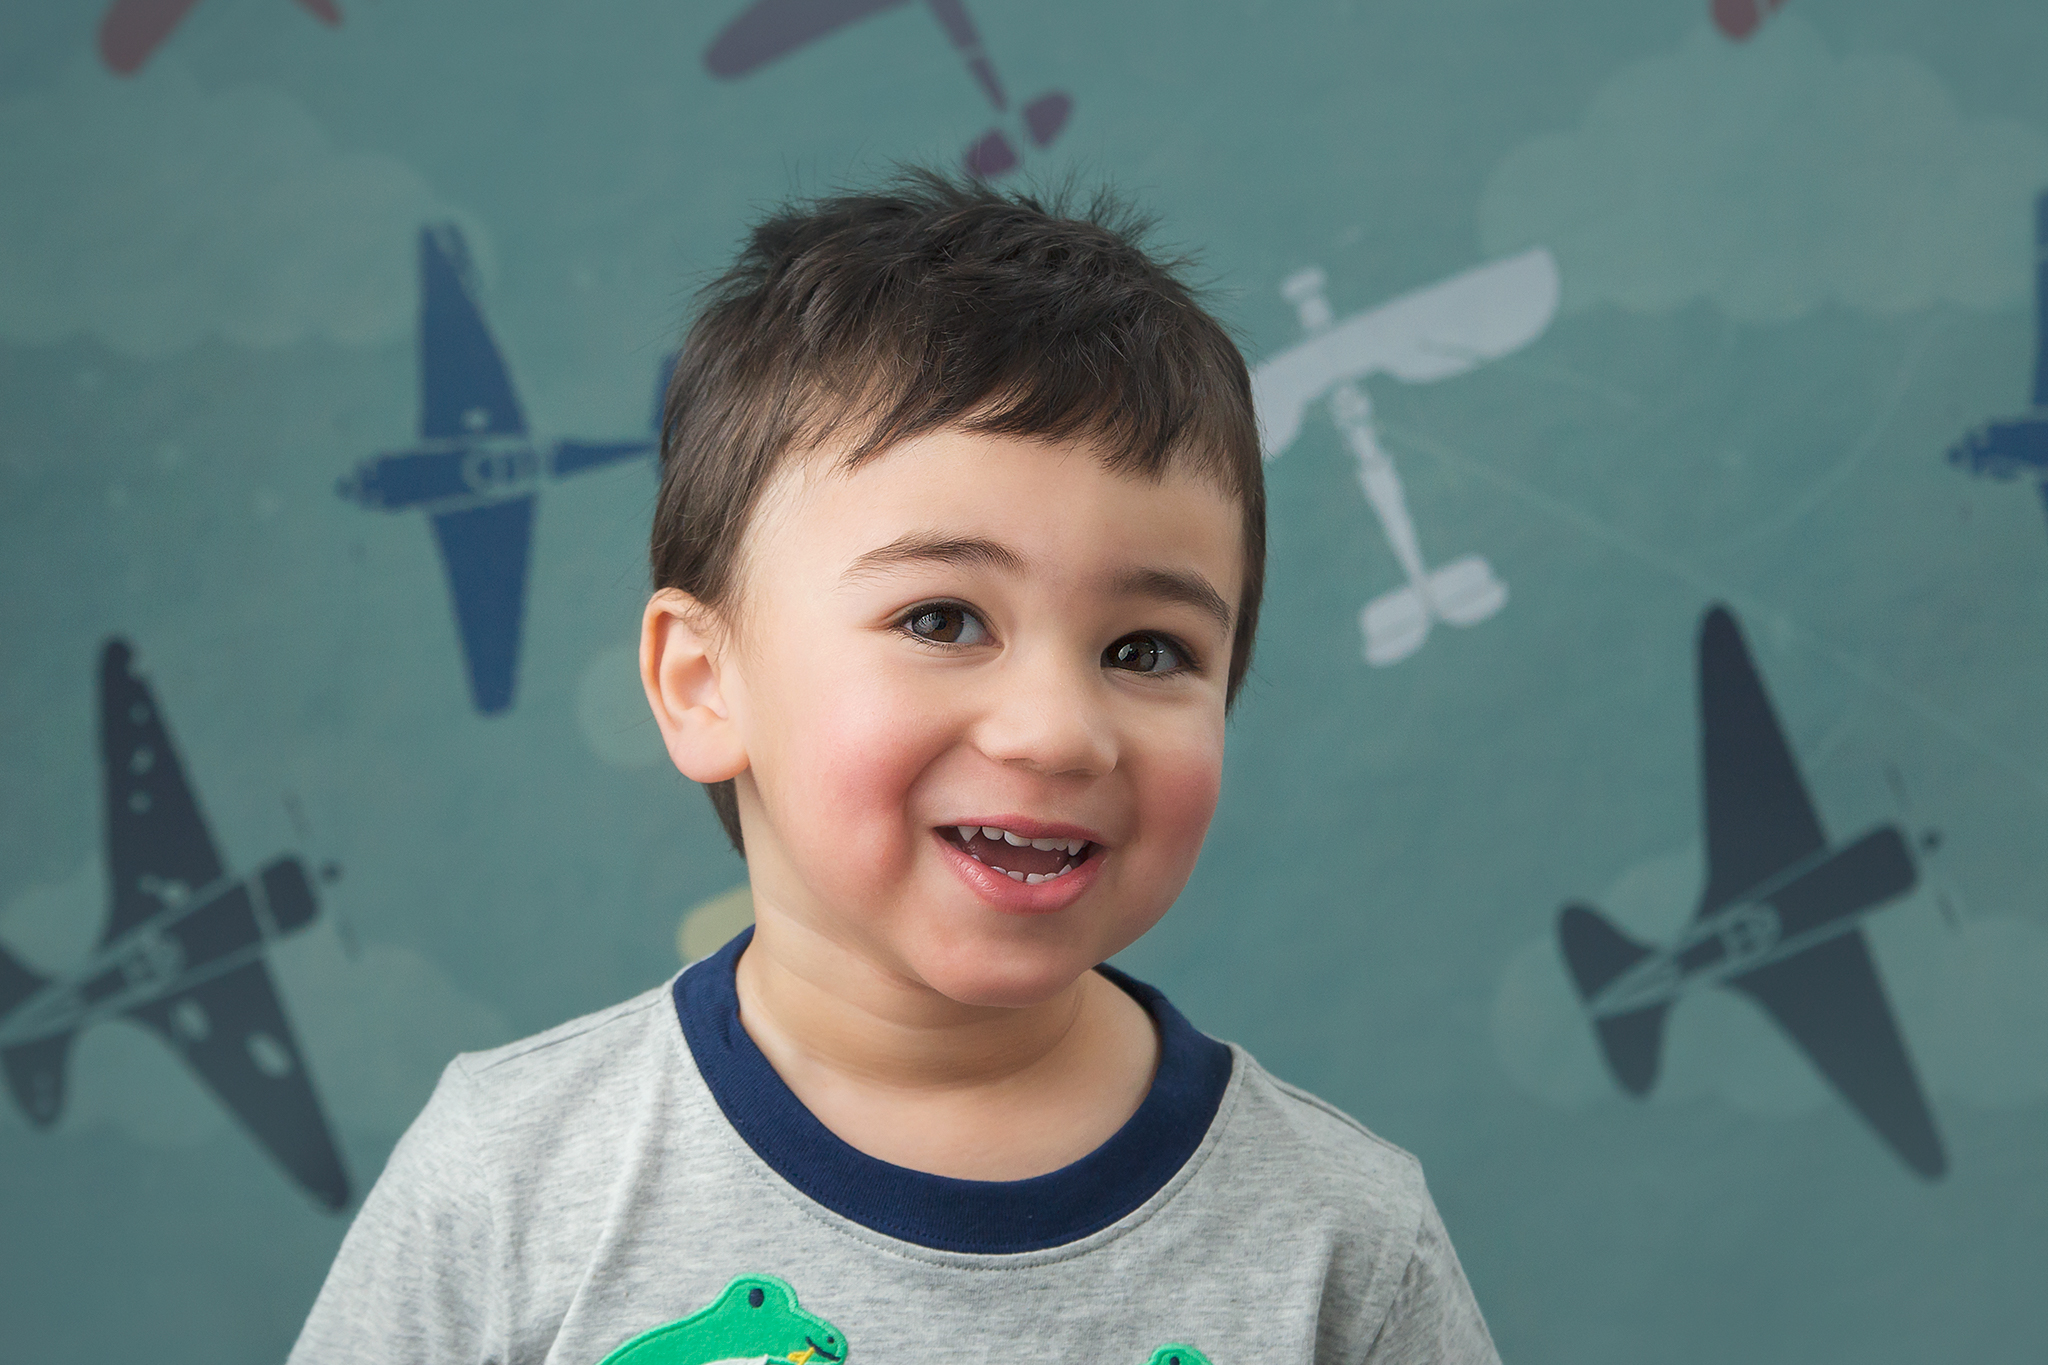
768 29
1436 332
133 29
2018 446
477 472
182 952
1780 920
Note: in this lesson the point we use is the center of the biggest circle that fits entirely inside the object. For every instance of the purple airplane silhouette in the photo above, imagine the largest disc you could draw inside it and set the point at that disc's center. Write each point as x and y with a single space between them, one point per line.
768 29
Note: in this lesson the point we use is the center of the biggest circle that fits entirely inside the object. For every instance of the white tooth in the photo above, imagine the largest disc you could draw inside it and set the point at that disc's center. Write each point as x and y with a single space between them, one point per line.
1004 870
1047 845
1064 871
1075 846
1016 840
1034 878
991 832
968 832
1014 876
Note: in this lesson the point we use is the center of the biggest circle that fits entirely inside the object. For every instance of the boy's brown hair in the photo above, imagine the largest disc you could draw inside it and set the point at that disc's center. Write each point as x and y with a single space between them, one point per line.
873 318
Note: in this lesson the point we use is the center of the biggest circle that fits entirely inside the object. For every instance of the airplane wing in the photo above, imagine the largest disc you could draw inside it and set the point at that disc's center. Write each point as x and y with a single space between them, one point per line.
574 457
464 387
484 550
1759 819
1432 333
2004 450
661 383
768 29
158 850
1829 1000
232 1031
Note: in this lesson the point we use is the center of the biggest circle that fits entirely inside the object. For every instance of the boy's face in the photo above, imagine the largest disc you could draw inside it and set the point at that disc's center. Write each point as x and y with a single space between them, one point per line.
988 633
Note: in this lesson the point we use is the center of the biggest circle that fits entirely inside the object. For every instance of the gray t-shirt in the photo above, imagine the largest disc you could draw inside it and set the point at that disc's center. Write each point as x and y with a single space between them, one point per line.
643 1168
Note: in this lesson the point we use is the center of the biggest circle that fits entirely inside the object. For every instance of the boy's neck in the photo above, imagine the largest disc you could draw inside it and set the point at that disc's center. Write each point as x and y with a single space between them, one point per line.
907 1076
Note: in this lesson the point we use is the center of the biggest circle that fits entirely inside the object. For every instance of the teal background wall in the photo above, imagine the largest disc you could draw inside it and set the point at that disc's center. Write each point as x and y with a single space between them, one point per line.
1796 268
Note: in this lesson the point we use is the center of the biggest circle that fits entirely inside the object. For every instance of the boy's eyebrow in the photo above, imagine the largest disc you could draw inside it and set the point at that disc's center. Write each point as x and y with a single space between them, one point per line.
1175 585
924 547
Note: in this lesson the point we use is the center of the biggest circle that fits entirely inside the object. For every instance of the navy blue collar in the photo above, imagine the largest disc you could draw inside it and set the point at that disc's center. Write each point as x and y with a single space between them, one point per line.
939 1211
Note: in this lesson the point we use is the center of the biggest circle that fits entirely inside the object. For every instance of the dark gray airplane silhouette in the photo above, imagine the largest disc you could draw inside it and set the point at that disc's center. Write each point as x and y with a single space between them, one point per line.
182 952
1780 920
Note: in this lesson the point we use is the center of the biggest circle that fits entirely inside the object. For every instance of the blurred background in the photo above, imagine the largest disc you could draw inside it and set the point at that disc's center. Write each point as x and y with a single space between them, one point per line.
1657 448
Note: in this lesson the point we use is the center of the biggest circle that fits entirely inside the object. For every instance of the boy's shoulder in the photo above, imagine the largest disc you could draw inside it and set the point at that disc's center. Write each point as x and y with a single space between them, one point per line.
619 1043
1299 1165
1317 1148
584 1032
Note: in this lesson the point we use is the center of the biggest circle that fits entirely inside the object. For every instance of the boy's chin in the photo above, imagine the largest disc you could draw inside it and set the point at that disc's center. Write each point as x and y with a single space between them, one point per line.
1009 980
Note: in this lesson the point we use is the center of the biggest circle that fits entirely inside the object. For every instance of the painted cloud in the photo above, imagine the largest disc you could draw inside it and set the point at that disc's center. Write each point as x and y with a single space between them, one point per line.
151 215
1771 178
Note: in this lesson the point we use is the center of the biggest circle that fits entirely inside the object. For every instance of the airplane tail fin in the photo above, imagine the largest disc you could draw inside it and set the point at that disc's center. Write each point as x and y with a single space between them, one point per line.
1594 949
17 983
1597 953
1633 1042
35 1070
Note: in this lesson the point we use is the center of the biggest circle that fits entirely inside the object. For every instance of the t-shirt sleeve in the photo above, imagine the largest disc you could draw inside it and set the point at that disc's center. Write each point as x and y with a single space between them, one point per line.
411 1282
1434 1320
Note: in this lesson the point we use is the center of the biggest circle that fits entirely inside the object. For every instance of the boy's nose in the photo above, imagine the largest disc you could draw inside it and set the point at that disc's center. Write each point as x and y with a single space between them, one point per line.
1049 720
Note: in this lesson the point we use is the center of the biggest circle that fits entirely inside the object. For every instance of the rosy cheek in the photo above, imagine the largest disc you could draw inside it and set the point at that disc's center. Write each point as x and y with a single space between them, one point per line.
861 751
1181 790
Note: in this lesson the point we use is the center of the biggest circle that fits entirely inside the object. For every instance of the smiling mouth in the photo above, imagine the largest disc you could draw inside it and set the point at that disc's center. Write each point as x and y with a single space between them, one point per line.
1030 861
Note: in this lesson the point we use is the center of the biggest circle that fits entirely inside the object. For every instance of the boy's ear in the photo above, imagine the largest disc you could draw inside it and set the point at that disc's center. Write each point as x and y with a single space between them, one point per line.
683 668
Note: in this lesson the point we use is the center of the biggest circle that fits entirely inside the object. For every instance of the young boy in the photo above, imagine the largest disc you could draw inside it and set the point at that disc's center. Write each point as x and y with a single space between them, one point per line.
957 560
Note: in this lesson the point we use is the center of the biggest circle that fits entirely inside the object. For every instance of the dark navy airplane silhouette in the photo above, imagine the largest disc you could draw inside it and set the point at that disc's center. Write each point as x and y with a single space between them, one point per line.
2019 445
476 472
182 952
1780 920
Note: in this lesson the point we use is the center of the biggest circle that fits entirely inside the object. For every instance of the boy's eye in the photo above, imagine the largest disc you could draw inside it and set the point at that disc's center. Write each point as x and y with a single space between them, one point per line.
1145 653
945 623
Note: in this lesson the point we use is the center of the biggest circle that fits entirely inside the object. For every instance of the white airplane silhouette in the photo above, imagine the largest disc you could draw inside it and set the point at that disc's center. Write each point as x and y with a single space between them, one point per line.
1442 330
